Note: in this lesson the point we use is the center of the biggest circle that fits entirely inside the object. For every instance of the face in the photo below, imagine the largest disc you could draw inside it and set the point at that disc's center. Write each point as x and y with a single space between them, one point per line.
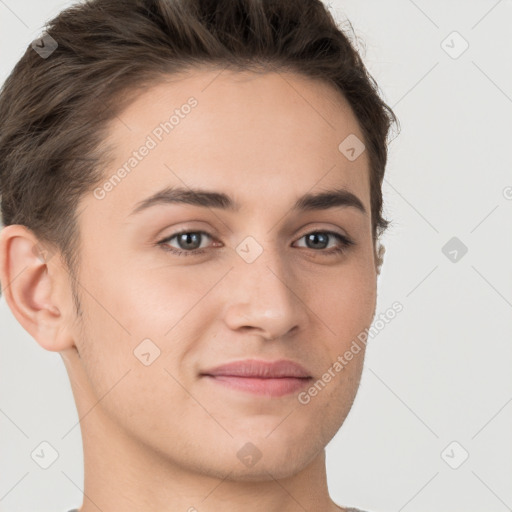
258 278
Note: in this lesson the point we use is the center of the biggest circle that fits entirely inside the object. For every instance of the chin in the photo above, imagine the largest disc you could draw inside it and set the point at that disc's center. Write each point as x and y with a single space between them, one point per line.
265 472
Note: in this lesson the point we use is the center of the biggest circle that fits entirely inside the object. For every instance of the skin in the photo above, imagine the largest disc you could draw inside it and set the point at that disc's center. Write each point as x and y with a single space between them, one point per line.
160 437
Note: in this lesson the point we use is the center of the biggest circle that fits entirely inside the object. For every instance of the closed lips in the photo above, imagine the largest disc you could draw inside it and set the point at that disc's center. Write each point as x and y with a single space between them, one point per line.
252 368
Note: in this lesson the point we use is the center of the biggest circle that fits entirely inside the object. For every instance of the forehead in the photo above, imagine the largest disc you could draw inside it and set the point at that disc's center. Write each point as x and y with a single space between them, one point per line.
253 135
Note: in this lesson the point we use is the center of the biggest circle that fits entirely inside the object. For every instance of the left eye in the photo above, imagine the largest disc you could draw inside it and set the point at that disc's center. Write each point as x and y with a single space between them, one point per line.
189 241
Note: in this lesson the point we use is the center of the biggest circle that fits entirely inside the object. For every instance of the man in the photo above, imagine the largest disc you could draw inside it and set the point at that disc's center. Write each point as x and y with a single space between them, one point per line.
192 205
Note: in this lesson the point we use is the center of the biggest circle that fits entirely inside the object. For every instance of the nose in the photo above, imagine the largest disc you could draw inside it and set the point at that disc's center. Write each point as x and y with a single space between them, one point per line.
265 297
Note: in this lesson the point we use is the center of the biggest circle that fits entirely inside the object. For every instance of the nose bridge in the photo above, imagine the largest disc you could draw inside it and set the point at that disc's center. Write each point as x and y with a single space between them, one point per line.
261 291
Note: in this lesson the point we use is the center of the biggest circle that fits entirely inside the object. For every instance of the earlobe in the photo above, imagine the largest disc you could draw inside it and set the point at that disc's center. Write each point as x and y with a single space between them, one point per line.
28 287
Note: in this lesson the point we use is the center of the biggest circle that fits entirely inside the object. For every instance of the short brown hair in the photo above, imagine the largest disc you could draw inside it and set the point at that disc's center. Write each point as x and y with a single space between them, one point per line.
54 111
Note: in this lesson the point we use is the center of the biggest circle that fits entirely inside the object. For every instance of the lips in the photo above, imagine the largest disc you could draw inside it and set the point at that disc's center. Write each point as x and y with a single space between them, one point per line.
252 368
271 379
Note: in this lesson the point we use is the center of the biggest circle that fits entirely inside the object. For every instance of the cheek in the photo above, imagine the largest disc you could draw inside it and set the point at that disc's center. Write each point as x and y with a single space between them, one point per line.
128 314
346 309
345 302
132 300
128 374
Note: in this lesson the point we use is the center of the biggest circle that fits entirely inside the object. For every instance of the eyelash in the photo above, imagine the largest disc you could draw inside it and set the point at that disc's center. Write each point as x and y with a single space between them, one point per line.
345 243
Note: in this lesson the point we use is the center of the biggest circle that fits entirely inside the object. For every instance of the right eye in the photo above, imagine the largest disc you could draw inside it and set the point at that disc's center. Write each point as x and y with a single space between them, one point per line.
186 238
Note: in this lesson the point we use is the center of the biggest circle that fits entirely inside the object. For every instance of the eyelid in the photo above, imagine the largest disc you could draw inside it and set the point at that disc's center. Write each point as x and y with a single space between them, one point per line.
308 230
315 228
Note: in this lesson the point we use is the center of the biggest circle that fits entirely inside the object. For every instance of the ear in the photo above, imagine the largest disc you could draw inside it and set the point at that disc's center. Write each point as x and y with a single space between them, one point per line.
33 283
379 257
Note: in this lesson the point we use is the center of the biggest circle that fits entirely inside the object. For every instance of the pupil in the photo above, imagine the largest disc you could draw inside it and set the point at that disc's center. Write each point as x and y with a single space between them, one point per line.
313 237
187 237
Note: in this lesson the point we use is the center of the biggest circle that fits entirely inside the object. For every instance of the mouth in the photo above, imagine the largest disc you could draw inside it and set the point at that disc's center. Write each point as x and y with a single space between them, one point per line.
271 379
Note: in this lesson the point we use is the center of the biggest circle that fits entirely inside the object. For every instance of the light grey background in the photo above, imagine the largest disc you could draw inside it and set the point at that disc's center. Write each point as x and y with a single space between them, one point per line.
440 371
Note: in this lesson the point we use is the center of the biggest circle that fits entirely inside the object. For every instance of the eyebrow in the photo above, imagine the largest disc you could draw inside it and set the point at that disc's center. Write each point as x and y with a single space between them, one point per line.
338 197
